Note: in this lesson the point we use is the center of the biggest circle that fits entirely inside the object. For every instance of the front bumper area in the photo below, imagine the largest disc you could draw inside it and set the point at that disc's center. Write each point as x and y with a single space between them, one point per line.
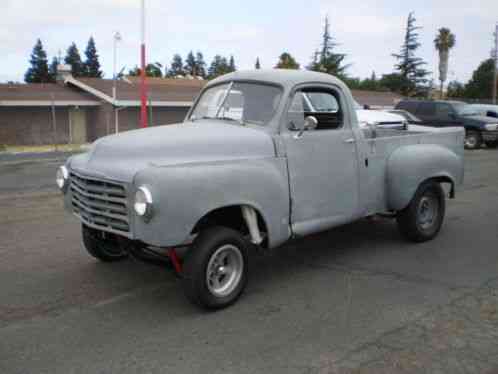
489 136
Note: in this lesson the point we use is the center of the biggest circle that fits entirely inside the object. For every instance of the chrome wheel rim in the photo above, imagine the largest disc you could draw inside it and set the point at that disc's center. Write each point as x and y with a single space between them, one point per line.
470 141
427 212
224 270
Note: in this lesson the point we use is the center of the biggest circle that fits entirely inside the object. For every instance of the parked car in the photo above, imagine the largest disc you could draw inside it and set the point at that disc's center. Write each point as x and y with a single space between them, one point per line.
379 118
232 180
479 129
486 109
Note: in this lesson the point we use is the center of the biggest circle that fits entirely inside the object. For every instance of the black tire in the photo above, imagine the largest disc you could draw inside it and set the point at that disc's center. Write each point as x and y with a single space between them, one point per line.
107 250
491 144
204 251
419 225
473 140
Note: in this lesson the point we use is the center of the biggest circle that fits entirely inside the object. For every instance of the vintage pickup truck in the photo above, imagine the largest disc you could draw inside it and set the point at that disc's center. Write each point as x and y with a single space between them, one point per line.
251 167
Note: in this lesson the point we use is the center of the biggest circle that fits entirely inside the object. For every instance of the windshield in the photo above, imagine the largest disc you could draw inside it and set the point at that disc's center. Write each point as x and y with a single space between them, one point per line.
239 102
463 109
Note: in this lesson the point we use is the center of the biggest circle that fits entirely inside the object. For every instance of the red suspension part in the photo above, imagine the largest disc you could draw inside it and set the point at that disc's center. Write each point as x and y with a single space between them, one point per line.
173 256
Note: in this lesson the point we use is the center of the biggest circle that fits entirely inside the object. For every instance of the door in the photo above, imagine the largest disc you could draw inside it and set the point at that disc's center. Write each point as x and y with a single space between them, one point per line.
77 123
426 111
446 115
322 163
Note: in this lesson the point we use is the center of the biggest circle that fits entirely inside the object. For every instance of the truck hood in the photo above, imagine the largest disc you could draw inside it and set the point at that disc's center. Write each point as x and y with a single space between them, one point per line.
377 116
120 157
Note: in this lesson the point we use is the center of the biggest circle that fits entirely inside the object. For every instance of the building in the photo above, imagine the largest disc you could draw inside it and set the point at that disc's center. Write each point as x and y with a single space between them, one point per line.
81 110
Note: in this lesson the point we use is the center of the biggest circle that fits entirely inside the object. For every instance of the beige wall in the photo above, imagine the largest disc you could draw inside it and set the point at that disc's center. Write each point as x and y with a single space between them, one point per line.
33 125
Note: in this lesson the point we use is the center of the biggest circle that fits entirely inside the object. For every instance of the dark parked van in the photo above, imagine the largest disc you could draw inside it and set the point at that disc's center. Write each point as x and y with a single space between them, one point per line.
479 129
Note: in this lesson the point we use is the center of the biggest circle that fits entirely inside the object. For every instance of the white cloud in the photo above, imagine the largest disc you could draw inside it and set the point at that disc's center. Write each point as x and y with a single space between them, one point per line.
368 31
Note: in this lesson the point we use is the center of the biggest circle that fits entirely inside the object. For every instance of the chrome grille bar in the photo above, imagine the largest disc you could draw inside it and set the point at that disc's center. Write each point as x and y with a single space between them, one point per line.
100 203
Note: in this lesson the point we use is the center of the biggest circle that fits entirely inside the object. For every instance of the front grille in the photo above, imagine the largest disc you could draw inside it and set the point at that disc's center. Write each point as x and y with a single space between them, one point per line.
100 203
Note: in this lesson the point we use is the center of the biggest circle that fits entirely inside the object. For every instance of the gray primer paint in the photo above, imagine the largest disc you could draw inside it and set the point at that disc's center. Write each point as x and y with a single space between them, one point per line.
299 186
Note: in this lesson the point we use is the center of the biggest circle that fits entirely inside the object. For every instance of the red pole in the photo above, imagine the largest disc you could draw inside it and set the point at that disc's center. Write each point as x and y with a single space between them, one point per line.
143 85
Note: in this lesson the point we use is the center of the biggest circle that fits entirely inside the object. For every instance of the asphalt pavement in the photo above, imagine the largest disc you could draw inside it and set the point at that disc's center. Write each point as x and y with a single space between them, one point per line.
354 299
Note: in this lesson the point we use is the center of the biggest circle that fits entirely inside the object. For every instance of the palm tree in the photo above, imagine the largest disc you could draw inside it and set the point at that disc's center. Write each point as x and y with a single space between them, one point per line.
445 40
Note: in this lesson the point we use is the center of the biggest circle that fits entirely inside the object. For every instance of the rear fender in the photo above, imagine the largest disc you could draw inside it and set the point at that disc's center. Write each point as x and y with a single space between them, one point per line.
411 165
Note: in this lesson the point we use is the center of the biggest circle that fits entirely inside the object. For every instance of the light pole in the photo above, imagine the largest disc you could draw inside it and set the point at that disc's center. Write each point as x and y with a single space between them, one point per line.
117 39
143 87
495 60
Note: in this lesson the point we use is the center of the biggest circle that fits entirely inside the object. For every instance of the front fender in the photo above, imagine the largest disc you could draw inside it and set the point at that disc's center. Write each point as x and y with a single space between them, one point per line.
409 166
184 193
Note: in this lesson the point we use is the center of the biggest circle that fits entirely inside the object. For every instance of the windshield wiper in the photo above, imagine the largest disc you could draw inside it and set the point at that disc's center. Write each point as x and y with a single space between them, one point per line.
225 119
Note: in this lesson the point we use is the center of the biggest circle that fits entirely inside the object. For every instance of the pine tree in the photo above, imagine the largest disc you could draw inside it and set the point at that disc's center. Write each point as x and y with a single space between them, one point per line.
410 68
176 67
219 66
286 61
38 71
326 60
73 58
231 65
201 65
52 69
92 64
257 66
190 64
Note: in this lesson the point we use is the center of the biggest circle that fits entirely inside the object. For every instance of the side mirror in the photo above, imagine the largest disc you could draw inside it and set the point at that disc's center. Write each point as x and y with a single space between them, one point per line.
309 123
452 115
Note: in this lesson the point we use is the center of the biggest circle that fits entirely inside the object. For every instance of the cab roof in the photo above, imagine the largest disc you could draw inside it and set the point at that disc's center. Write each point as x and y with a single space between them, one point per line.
287 78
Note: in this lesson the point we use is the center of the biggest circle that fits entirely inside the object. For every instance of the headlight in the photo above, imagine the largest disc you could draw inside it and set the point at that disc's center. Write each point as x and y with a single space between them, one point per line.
491 126
61 177
143 203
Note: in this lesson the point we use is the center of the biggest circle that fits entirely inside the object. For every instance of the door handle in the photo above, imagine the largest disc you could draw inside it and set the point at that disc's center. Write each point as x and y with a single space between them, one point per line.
349 140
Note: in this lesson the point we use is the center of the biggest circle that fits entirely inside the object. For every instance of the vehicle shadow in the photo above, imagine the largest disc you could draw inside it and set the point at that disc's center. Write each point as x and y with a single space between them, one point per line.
278 267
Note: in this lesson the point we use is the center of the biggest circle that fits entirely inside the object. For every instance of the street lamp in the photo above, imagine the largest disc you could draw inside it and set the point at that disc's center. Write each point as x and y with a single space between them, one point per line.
117 39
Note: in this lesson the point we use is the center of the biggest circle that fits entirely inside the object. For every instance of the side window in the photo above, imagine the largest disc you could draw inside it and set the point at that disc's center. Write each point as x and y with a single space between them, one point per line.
443 110
320 103
427 109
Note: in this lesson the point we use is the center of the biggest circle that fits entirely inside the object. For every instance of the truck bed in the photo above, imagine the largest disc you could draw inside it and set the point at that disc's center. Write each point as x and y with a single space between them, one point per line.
378 150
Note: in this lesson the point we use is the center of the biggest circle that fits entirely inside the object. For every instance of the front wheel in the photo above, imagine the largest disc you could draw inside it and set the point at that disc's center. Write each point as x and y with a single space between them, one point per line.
105 247
473 140
215 268
492 143
422 219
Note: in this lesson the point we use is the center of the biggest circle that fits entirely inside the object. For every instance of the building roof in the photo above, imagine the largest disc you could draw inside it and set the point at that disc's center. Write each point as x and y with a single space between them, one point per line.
170 92
37 94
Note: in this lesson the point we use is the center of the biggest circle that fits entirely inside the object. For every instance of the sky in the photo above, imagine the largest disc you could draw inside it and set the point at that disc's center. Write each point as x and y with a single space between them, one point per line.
368 31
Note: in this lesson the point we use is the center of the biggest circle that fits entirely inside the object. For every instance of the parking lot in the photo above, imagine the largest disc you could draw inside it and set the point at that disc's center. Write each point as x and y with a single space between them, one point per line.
354 299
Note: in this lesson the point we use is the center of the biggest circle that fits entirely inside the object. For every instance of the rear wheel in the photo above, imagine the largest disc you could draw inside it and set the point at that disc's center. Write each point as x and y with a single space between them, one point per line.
215 268
422 219
473 140
492 144
105 247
